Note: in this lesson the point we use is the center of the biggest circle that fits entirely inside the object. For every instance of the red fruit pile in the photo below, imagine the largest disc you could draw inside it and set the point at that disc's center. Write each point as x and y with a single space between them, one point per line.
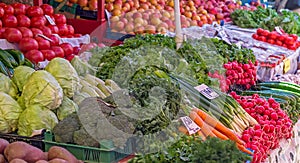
22 24
274 125
237 74
281 38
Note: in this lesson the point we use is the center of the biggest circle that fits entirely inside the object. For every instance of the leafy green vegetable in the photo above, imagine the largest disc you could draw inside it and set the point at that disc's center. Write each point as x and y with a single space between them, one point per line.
42 89
193 149
9 113
65 74
21 75
7 86
67 107
35 117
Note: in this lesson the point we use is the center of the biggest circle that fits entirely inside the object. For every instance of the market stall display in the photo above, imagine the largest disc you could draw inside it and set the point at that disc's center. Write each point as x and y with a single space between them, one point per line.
225 93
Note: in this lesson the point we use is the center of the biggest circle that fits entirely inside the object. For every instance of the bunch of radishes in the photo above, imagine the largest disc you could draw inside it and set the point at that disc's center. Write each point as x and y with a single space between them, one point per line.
274 125
237 74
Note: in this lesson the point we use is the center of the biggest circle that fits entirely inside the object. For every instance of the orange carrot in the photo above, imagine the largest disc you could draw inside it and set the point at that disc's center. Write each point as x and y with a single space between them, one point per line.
218 134
217 125
201 135
204 127
243 149
183 130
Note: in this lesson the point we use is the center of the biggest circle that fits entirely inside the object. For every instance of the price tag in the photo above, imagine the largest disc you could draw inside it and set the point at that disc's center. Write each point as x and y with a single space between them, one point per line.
50 20
190 125
287 65
206 91
44 37
278 29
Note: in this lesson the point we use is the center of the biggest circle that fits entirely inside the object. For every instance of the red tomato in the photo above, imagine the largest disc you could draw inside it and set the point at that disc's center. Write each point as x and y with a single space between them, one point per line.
55 40
35 56
77 35
281 38
289 40
13 35
284 45
59 52
26 32
2 4
292 47
38 21
71 30
46 31
60 19
265 33
36 31
70 57
27 44
295 37
54 29
35 11
23 21
68 49
48 54
2 32
48 10
20 9
273 35
62 29
1 25
279 43
255 36
259 31
10 21
1 12
43 43
76 50
27 6
271 41
262 38
9 10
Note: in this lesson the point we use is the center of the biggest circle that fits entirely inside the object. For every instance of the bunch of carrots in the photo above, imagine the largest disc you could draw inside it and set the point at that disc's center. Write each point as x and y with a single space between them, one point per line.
212 127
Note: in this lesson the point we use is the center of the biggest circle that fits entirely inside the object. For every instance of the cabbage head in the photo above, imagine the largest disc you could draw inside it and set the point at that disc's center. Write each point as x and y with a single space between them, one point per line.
36 118
21 74
79 97
8 86
65 74
9 113
66 108
42 89
82 68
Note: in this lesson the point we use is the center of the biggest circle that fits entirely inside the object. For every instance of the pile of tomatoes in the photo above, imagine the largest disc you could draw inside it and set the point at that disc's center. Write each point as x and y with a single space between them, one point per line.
280 38
34 29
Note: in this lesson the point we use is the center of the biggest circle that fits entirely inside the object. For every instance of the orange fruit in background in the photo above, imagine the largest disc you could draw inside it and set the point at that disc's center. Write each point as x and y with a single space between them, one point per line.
116 12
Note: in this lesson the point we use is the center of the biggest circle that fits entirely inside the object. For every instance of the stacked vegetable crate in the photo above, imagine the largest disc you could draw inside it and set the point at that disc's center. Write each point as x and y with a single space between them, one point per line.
107 153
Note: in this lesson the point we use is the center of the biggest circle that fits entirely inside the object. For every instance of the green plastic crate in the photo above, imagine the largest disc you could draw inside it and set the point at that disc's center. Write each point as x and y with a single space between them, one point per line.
91 154
65 8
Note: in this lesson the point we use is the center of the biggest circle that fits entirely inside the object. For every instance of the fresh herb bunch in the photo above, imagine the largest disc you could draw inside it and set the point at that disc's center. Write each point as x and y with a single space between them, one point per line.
233 52
252 19
193 149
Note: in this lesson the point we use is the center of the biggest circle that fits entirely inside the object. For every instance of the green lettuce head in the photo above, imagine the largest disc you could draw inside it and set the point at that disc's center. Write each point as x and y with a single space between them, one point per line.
42 89
66 108
7 86
65 74
21 74
36 118
82 68
9 113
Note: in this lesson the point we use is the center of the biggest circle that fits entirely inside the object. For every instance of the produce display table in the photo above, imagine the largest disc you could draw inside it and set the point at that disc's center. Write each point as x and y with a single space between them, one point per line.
243 37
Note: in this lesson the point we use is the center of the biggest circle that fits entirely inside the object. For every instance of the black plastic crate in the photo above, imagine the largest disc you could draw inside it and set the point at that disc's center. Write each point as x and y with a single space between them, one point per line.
36 141
86 14
116 35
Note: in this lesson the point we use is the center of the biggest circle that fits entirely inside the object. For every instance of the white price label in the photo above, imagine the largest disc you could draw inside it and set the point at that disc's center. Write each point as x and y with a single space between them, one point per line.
190 125
206 91
278 29
44 37
50 20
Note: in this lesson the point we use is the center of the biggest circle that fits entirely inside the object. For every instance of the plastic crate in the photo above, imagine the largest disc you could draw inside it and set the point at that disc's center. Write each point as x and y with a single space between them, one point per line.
71 9
117 36
91 154
36 141
86 14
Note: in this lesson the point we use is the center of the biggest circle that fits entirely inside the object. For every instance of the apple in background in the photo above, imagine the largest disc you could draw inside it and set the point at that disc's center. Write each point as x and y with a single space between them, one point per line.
101 45
139 20
150 29
137 15
120 26
139 30
129 27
